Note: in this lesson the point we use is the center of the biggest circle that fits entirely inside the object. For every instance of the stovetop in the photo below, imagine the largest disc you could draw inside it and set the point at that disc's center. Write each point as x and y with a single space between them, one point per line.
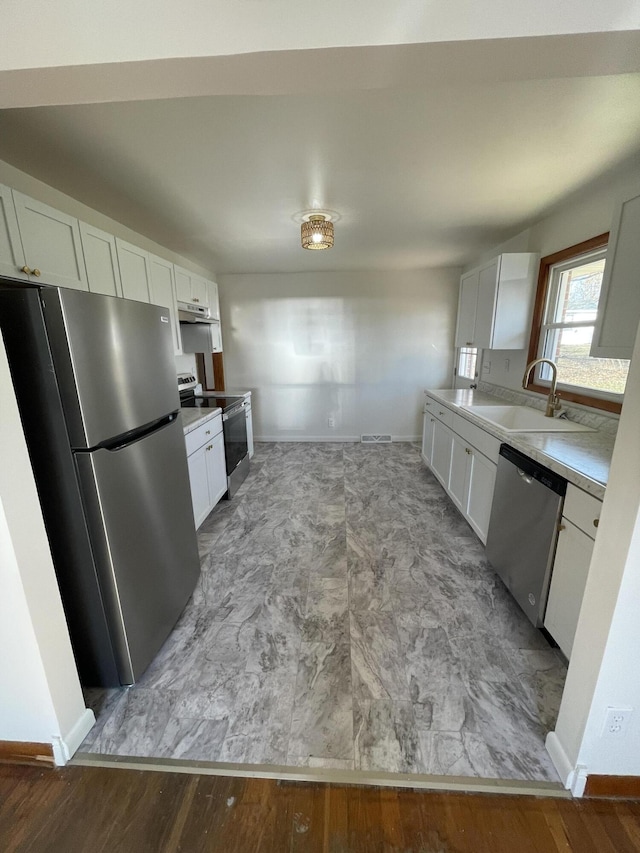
209 402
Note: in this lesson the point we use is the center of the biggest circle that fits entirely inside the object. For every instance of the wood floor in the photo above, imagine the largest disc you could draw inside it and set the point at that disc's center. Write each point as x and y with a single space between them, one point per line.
96 809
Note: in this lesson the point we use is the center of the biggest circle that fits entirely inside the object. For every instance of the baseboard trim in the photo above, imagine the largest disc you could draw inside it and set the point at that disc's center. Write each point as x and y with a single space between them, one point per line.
559 758
23 752
620 787
65 747
573 778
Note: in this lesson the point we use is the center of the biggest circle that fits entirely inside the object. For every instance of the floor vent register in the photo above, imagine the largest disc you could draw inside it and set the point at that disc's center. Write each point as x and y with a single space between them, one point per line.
375 439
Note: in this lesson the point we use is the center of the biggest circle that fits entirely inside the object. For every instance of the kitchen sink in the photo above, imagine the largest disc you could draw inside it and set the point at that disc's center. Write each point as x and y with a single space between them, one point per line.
524 419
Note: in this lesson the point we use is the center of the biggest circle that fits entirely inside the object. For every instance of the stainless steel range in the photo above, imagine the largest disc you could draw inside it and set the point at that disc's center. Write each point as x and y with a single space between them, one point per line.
236 448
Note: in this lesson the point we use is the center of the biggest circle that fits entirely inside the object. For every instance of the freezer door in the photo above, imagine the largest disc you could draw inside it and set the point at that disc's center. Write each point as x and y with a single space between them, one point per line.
138 508
114 362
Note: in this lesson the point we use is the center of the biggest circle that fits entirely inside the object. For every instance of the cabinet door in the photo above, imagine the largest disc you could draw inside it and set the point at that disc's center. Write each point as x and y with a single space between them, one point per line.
199 482
486 307
216 470
134 271
11 254
199 290
481 480
183 284
249 420
458 471
465 329
101 260
441 457
162 290
212 300
427 437
569 578
51 243
619 306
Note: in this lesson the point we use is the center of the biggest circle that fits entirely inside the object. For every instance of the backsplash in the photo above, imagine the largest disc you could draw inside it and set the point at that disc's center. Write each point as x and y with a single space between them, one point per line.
589 417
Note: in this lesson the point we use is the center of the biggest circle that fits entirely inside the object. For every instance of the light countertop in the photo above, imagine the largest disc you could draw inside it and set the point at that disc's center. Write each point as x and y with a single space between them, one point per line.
193 417
583 458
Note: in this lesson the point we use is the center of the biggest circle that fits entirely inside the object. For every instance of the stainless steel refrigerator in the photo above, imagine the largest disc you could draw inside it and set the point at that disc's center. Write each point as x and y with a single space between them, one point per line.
96 387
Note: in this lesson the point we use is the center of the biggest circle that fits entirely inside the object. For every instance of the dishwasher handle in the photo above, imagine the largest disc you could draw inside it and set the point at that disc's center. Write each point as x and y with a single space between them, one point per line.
531 470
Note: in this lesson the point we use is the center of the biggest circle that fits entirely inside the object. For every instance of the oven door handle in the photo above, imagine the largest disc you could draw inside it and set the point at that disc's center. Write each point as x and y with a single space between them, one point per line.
237 410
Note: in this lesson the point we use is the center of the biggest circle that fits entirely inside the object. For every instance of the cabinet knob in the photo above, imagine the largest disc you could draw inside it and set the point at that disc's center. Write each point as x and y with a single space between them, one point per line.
195 299
208 432
469 343
562 527
466 450
596 521
25 269
441 413
433 420
36 272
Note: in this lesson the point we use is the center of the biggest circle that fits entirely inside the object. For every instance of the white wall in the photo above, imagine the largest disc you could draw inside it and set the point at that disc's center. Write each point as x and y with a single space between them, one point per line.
40 696
356 347
585 215
604 664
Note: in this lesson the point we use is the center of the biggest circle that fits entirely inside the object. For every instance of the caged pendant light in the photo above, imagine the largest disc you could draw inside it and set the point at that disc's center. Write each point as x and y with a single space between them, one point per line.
316 232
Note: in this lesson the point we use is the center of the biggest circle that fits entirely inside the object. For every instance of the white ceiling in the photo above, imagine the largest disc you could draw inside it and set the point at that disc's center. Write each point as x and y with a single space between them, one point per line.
424 176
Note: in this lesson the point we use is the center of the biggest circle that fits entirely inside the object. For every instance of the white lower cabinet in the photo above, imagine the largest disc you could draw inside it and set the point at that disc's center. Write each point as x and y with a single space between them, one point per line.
427 436
199 480
207 467
580 517
464 458
481 481
441 456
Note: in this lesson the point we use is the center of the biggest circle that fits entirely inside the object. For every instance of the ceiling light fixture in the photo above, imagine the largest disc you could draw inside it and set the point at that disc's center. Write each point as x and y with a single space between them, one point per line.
316 230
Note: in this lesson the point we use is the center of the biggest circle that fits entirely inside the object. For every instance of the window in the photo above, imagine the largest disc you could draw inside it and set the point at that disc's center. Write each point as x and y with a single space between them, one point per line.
564 316
467 360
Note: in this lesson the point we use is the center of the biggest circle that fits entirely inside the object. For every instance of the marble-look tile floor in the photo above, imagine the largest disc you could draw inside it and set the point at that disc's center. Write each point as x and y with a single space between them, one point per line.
345 617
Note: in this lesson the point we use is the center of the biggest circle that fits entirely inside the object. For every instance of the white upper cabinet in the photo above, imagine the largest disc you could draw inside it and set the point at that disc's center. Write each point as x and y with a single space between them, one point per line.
495 303
101 260
212 300
134 271
199 290
467 306
619 306
191 287
163 293
194 289
51 244
11 254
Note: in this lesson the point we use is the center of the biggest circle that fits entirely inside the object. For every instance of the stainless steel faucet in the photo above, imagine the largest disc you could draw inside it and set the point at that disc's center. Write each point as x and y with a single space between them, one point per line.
553 400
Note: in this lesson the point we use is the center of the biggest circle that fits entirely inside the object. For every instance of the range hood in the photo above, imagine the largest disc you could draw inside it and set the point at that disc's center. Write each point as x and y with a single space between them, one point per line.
189 313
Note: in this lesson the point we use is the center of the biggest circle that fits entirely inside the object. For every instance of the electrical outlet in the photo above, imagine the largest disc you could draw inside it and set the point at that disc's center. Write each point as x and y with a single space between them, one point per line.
616 721
331 422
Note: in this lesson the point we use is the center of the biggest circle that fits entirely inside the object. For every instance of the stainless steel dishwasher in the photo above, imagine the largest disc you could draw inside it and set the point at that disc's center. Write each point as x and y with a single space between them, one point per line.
523 528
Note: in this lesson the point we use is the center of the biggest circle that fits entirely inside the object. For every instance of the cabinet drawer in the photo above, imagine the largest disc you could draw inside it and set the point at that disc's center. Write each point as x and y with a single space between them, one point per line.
479 438
202 434
440 412
582 509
